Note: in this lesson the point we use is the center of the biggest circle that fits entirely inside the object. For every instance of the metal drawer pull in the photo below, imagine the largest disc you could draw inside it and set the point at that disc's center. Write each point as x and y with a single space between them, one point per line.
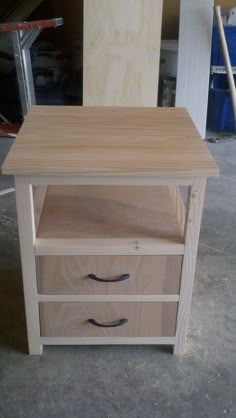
119 279
115 324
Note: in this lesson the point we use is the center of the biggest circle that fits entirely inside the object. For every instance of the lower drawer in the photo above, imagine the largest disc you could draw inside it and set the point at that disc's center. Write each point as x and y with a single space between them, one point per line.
59 319
148 275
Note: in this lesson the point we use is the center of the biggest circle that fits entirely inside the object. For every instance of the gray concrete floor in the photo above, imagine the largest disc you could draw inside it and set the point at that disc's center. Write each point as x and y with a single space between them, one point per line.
132 382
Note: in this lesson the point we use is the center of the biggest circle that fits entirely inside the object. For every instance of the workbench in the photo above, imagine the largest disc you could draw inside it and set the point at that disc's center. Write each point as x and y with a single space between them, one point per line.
108 240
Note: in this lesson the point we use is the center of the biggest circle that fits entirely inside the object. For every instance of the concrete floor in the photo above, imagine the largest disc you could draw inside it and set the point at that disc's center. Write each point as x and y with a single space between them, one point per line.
130 382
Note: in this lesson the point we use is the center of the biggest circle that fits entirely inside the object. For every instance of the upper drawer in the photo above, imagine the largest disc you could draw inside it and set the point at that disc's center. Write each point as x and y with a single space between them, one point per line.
148 275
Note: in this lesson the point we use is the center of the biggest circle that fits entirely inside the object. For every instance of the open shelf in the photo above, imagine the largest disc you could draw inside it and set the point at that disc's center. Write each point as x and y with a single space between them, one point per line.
111 220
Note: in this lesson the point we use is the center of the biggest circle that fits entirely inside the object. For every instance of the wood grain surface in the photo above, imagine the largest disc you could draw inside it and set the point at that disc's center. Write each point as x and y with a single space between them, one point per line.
26 228
121 52
108 246
149 275
71 319
102 141
109 212
195 204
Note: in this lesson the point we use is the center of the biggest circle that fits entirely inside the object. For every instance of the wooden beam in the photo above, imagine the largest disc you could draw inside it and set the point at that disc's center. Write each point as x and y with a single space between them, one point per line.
25 216
194 216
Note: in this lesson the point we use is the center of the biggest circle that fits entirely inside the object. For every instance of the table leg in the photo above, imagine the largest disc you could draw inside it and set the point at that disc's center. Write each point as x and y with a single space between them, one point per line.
26 226
192 230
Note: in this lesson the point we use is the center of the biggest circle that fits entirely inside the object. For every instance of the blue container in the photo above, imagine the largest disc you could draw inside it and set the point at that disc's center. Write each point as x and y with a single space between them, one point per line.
216 56
220 110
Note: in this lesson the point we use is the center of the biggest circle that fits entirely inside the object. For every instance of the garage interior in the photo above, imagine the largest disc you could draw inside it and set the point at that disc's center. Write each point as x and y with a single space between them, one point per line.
119 380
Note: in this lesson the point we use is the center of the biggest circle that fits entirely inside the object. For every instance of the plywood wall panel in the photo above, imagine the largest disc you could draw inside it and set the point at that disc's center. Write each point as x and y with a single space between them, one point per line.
121 52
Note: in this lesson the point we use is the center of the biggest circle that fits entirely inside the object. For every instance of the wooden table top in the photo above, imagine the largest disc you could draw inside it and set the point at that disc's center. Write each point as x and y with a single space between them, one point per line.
104 141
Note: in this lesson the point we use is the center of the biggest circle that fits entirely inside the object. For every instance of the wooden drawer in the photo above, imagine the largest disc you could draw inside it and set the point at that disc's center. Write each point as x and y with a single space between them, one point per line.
71 319
149 275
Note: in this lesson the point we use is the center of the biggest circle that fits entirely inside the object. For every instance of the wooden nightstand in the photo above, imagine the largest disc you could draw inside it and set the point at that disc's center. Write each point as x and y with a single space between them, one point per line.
108 249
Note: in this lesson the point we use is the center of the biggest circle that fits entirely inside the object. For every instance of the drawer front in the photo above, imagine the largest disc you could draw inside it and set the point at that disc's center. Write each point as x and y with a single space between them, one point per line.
149 275
72 319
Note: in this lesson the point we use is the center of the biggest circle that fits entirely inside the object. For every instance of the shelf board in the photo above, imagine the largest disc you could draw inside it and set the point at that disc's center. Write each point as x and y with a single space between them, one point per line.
107 246
111 220
106 142
108 298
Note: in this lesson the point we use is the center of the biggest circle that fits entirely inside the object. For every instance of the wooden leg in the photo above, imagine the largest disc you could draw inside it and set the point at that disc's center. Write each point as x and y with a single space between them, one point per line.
26 226
192 230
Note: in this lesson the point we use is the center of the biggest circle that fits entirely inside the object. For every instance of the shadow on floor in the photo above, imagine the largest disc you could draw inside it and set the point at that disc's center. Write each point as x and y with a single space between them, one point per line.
13 332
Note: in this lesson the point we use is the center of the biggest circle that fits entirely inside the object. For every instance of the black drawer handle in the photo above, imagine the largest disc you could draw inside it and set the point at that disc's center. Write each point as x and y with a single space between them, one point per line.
113 325
119 279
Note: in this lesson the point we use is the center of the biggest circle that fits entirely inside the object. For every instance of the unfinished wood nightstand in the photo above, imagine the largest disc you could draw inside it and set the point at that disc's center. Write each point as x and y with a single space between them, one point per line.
108 249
